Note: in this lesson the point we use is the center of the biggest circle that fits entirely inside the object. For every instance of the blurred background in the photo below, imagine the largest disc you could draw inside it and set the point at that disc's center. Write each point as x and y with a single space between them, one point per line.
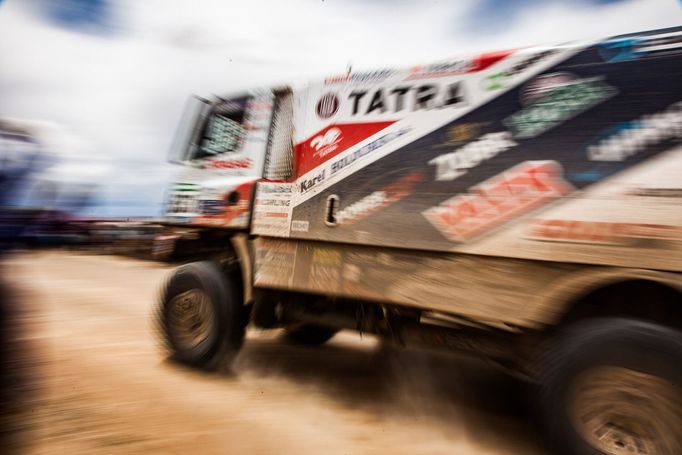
106 80
91 92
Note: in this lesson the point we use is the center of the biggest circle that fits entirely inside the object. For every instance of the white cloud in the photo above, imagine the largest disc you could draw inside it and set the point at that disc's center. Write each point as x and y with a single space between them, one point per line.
124 94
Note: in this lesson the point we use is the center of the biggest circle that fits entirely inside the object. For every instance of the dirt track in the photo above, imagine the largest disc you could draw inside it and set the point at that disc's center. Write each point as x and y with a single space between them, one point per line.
104 386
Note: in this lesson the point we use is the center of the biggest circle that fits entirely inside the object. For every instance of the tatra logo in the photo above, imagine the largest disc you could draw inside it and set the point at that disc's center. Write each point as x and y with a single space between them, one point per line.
426 96
327 142
327 106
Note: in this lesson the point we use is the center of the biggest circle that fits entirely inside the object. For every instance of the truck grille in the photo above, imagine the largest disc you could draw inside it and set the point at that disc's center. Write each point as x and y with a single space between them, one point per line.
183 200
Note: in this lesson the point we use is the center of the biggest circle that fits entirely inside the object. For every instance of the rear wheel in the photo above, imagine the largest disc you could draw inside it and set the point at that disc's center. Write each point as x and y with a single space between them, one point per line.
309 334
614 386
201 315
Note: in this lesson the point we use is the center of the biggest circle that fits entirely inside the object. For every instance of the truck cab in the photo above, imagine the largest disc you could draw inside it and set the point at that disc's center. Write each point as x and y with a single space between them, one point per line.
225 145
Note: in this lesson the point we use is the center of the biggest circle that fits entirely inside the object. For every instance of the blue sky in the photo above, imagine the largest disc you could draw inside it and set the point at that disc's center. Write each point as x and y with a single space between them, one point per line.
113 75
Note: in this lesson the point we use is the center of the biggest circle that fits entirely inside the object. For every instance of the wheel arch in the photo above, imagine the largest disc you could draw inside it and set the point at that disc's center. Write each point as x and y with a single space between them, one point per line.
608 291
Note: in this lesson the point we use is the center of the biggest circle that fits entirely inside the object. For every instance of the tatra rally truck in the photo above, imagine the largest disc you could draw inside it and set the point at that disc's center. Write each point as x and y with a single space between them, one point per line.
524 206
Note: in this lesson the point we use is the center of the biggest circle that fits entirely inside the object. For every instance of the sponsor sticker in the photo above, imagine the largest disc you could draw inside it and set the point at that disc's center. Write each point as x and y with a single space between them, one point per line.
460 133
599 232
332 140
237 163
635 47
449 166
368 77
378 199
457 66
516 191
272 209
627 139
553 99
326 142
325 269
327 106
364 151
309 183
502 79
274 261
441 69
300 226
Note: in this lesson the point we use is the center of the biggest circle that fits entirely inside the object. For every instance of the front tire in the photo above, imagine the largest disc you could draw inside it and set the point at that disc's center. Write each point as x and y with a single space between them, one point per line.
613 386
201 315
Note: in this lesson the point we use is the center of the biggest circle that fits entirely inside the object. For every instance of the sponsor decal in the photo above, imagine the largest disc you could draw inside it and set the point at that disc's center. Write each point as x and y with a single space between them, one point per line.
272 187
182 203
516 191
211 206
553 99
600 232
272 209
221 211
326 142
460 133
500 80
441 69
325 269
309 183
300 226
327 106
359 78
378 199
274 261
366 150
627 139
635 47
238 163
543 85
454 67
326 256
449 166
333 140
273 202
656 192
412 97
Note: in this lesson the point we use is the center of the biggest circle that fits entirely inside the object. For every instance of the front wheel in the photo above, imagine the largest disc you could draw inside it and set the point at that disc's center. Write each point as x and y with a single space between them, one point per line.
614 386
201 315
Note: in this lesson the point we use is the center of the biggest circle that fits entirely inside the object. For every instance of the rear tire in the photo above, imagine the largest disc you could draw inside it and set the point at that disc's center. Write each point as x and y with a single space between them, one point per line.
613 386
201 316
309 334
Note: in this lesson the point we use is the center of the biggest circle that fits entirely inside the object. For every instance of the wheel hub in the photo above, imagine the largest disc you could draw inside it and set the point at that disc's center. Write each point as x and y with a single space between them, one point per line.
190 318
620 411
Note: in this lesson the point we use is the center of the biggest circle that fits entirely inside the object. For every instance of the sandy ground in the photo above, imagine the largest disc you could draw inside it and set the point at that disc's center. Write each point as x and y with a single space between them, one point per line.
101 383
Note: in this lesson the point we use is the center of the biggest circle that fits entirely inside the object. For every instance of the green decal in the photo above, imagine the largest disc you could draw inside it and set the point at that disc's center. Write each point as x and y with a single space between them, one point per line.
559 105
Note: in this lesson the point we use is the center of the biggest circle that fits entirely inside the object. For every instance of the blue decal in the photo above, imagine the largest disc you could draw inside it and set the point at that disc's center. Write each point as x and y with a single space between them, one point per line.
620 50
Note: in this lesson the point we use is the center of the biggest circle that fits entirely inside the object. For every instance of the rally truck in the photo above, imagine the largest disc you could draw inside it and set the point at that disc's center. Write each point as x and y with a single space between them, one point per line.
524 206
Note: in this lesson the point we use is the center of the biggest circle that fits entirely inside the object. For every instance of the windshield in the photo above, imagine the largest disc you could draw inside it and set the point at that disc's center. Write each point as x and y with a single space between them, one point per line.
224 131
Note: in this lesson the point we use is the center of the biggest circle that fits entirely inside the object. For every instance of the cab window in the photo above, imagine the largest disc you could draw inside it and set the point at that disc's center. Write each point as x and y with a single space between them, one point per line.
224 131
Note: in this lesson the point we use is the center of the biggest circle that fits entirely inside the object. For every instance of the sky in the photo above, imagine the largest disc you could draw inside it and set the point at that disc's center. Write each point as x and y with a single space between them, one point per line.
110 77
